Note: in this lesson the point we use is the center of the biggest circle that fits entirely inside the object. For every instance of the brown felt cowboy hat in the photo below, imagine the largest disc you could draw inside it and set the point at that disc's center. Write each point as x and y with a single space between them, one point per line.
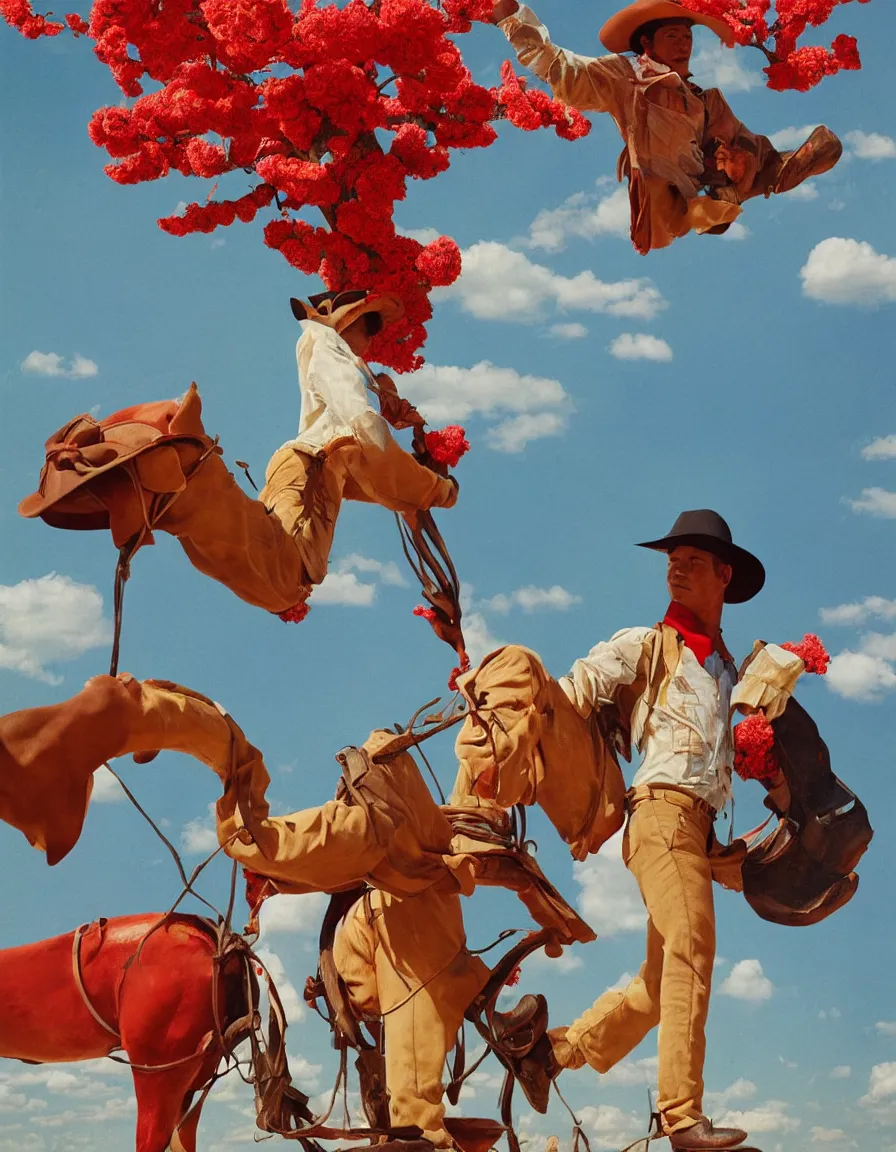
617 35
340 309
705 529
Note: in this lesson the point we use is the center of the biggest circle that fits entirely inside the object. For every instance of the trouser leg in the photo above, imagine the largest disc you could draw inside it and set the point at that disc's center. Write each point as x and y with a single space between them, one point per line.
668 857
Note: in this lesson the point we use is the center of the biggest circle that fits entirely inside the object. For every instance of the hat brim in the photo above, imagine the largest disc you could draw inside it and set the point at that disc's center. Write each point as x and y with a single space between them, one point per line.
616 34
388 304
748 573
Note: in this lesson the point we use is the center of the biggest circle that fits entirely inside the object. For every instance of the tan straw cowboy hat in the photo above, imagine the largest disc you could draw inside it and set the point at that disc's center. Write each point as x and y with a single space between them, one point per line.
616 35
340 309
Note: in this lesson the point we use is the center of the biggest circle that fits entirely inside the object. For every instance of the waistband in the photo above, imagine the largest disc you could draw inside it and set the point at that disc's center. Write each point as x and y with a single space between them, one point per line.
682 796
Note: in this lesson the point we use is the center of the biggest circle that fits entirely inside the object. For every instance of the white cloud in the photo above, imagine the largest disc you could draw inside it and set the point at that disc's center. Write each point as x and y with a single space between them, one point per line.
609 899
858 613
772 1116
639 346
828 1136
881 1084
885 1027
387 572
608 1126
477 634
747 981
876 501
737 231
805 191
736 1093
514 434
282 913
621 981
421 235
844 271
499 284
569 331
883 448
841 1072
52 364
717 67
48 620
289 997
871 145
343 588
106 789
629 1073
790 138
531 599
879 644
555 965
858 676
444 392
585 216
198 837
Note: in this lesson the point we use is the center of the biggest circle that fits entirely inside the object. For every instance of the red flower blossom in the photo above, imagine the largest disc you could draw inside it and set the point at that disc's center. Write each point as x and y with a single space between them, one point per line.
464 666
812 653
296 614
754 743
514 978
447 445
426 613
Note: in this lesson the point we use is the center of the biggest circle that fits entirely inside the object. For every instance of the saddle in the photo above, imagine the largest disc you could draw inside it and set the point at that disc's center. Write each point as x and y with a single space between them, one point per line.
803 870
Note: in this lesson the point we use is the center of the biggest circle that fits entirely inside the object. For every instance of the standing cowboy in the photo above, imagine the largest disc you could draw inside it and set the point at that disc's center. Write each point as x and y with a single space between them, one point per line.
154 466
672 687
689 161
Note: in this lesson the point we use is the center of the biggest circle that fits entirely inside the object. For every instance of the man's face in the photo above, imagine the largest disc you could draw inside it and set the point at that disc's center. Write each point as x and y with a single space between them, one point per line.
697 579
671 45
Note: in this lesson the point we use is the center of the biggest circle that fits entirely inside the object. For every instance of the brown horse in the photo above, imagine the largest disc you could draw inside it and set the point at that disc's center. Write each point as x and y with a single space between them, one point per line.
89 993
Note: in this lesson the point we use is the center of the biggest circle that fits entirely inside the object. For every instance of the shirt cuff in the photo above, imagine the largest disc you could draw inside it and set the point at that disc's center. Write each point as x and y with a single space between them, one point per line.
768 680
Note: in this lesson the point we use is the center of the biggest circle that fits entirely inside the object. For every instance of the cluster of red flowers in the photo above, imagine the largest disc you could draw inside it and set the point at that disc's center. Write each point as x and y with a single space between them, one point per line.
754 749
789 66
296 614
447 445
812 653
302 102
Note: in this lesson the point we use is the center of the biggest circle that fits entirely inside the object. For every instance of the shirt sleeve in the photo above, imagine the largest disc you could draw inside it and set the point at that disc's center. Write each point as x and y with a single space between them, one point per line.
609 666
334 380
587 83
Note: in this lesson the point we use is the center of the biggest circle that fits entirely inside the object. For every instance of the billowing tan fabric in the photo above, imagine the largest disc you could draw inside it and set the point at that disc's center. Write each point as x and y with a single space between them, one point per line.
384 828
767 679
665 848
48 755
668 128
420 982
524 743
270 551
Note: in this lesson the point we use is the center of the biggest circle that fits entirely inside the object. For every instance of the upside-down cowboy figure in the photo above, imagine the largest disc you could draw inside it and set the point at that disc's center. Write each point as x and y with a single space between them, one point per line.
689 161
153 466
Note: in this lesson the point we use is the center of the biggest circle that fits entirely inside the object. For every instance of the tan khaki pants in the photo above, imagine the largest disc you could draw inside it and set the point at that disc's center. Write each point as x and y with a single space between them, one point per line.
665 848
406 960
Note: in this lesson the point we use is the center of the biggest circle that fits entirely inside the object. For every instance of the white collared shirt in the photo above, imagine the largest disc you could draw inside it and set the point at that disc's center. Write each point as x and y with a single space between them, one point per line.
687 740
333 391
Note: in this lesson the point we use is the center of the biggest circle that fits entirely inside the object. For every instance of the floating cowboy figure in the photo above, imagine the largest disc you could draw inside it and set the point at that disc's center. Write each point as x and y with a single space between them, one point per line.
670 691
689 161
153 466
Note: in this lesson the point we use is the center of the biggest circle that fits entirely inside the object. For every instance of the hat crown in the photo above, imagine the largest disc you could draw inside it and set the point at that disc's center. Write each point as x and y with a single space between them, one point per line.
702 522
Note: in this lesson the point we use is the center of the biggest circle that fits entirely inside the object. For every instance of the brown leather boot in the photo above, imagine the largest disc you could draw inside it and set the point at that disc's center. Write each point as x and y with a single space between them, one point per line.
703 1135
518 1030
819 154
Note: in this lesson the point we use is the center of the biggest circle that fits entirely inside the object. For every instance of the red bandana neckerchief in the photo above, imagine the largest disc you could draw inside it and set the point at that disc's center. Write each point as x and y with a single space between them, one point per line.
689 627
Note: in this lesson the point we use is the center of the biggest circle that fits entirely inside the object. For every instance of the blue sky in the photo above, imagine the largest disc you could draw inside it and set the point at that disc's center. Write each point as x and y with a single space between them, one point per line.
602 393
